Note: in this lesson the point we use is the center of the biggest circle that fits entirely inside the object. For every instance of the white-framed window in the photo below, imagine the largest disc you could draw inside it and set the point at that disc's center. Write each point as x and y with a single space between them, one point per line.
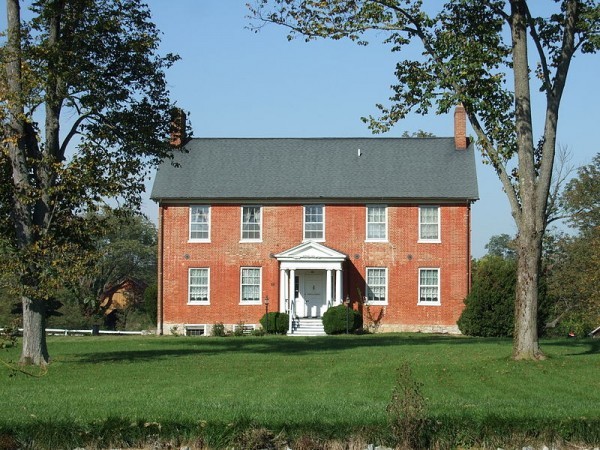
376 287
251 223
429 286
195 330
200 223
429 224
314 223
376 223
250 285
199 286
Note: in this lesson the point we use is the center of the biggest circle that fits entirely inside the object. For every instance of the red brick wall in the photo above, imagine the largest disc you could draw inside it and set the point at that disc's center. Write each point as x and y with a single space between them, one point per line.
345 232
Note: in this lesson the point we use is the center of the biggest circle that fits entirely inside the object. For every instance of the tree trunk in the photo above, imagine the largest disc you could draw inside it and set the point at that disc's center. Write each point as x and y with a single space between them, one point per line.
530 211
35 350
525 338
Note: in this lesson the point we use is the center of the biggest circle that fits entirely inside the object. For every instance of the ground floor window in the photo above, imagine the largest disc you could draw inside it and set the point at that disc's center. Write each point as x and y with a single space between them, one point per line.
429 286
250 285
376 288
199 286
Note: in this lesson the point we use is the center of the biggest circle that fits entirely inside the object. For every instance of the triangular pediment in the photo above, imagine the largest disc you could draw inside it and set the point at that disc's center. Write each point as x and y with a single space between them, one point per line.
311 251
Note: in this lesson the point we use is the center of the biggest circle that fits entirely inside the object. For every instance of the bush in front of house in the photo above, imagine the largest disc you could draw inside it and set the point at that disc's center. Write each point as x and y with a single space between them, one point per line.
489 307
278 323
334 320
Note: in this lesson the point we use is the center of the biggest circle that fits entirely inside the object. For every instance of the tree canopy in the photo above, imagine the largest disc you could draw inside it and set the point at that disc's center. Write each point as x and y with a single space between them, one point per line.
85 113
480 54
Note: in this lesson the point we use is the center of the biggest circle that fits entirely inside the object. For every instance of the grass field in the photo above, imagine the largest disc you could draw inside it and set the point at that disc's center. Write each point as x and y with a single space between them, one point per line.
99 388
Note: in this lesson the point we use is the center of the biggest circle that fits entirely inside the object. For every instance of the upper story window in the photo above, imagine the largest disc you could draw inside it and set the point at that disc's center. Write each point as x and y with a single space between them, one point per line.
198 286
200 223
376 223
429 286
376 288
251 223
250 285
429 224
314 222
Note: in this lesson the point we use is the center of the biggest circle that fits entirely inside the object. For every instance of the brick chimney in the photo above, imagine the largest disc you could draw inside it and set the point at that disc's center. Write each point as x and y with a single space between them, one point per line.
460 128
178 122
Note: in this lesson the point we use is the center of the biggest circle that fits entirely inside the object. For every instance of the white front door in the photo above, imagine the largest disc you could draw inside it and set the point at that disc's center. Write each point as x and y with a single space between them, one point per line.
314 294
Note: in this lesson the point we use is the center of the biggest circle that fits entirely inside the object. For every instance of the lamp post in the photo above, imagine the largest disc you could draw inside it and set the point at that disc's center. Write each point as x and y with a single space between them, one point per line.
267 311
347 303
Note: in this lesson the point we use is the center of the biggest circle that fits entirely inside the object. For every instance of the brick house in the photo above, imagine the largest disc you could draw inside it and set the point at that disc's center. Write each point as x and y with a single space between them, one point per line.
308 223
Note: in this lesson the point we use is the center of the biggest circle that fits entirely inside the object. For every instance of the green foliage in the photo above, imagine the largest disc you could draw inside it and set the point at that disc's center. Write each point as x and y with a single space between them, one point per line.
278 323
502 246
238 330
97 64
574 264
580 198
337 318
489 307
218 330
407 410
8 335
151 301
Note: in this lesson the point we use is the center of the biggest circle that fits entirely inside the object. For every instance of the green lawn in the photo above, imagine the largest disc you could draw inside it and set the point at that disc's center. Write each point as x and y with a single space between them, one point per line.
329 386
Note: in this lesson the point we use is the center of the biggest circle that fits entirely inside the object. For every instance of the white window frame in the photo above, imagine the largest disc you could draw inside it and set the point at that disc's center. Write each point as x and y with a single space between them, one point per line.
439 221
376 302
189 295
250 302
193 239
379 239
322 239
190 327
438 302
242 223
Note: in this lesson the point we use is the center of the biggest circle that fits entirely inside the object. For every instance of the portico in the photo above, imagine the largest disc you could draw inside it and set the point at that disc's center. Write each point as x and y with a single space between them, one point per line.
311 278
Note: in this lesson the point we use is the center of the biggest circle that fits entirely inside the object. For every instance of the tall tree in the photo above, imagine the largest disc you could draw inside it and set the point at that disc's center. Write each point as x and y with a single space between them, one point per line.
84 112
476 53
125 250
575 266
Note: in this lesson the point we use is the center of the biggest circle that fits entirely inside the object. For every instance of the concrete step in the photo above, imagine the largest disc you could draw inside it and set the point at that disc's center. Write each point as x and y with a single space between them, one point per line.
308 327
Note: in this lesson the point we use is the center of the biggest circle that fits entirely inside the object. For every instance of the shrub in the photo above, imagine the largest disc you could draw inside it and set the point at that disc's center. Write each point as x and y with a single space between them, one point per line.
489 307
334 320
218 329
278 323
238 330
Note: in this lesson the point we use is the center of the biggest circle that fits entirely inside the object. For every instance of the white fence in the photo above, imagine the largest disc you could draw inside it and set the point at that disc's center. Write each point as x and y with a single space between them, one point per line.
66 332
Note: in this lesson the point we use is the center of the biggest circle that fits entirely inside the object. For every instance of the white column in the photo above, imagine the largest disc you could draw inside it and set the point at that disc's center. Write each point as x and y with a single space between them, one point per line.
328 288
292 285
283 287
338 286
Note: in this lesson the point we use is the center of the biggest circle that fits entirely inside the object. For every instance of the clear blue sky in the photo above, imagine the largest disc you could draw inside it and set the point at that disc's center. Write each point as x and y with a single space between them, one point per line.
237 83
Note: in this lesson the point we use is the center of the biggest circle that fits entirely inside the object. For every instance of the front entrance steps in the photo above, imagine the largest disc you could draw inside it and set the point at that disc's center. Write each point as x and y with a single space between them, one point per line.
307 327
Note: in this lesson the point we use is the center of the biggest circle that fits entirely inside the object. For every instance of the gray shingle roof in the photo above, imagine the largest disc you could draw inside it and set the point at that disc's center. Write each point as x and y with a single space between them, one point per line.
328 168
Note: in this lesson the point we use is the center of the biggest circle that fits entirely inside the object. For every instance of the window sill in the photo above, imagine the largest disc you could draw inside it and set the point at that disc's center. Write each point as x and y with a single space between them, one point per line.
198 303
250 303
429 241
377 303
376 240
250 241
429 304
198 241
313 240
